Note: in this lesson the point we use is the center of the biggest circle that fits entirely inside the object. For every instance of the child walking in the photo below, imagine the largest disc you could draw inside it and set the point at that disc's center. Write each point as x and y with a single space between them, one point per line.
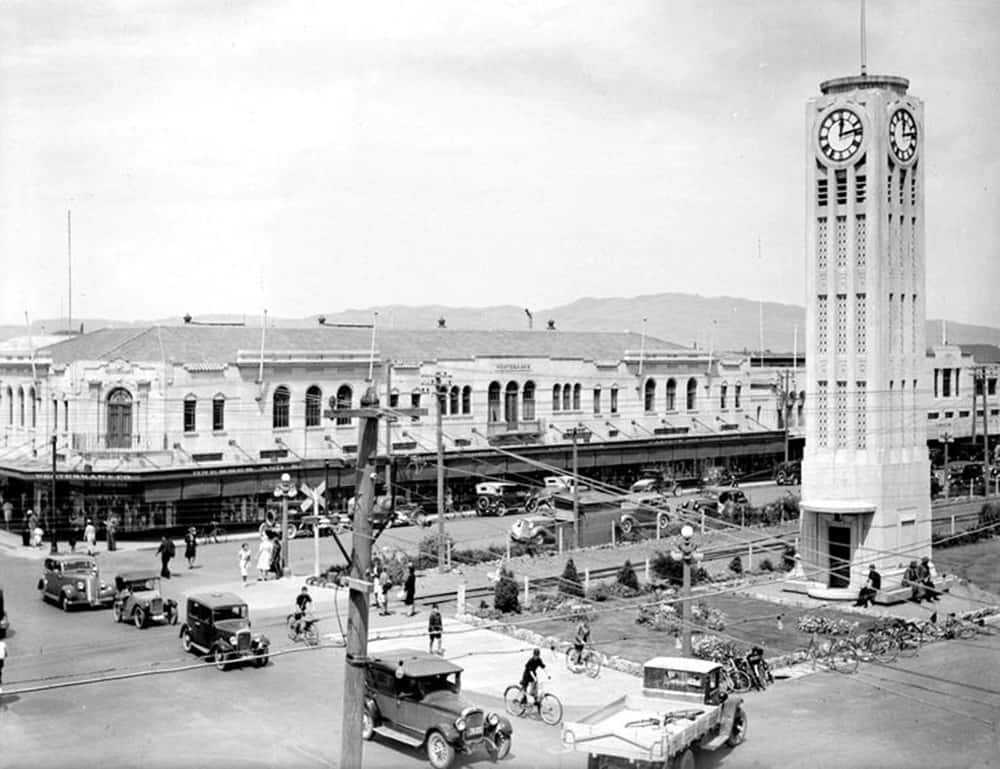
245 556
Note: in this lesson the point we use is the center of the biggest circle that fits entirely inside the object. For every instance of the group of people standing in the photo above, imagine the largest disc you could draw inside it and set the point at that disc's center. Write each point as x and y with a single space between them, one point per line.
382 585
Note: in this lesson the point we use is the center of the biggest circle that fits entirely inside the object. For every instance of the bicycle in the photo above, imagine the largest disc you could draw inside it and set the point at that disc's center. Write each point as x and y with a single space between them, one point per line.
873 645
734 678
547 705
302 629
588 660
837 654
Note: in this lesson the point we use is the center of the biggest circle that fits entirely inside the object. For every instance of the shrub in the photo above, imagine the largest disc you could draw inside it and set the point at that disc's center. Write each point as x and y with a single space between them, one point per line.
989 515
627 577
427 551
665 567
766 565
736 565
570 583
505 593
599 592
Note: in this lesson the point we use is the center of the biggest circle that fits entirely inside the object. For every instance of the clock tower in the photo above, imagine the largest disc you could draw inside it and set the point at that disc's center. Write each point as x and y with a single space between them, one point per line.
865 474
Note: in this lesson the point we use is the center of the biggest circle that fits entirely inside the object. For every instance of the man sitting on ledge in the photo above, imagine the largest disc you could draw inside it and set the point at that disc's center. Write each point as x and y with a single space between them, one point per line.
866 596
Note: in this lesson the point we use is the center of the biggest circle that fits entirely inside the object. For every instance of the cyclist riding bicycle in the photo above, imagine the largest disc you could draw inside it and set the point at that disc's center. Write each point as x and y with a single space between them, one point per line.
529 678
581 640
303 603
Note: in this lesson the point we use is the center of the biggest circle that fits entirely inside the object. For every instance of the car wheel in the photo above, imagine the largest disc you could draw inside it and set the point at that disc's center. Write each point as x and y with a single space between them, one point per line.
686 761
139 618
221 659
500 509
186 640
483 505
292 530
782 479
261 657
538 539
440 753
116 613
739 731
531 505
368 723
502 743
627 525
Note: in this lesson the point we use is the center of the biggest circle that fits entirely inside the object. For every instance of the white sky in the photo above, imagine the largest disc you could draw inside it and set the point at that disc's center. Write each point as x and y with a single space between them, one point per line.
316 156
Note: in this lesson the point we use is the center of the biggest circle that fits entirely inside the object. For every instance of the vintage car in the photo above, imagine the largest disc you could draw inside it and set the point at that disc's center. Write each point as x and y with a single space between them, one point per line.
415 698
681 710
4 624
535 529
138 600
789 473
643 511
715 500
717 476
74 580
500 498
656 485
218 625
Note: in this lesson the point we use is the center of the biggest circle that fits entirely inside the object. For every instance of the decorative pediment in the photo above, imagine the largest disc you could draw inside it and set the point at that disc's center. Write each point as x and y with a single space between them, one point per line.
118 366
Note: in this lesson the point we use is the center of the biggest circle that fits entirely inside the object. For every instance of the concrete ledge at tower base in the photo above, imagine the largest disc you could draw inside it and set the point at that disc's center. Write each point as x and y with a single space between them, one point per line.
833 594
803 586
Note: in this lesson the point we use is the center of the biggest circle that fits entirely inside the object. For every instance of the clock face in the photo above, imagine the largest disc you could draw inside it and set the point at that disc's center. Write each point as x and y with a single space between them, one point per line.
840 134
903 135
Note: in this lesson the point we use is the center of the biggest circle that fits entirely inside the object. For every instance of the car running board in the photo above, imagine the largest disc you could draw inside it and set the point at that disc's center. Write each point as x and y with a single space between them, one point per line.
399 736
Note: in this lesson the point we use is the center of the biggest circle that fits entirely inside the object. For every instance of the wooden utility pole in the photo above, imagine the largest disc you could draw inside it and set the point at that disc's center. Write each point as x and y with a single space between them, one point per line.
359 573
53 515
441 383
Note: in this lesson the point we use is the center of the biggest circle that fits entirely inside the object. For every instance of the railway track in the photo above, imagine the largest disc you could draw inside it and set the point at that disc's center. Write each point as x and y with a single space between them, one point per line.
769 549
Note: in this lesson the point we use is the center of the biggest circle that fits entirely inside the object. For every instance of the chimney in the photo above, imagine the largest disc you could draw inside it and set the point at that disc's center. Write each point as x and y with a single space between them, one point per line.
442 323
551 325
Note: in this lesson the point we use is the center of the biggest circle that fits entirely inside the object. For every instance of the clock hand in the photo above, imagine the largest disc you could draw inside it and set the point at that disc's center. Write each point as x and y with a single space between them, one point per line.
851 132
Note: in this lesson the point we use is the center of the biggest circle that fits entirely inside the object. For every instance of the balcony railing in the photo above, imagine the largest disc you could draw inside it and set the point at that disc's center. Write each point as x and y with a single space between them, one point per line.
525 427
112 442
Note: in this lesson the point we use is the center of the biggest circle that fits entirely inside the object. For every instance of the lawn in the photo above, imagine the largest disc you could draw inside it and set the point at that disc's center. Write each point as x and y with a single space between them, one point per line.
748 620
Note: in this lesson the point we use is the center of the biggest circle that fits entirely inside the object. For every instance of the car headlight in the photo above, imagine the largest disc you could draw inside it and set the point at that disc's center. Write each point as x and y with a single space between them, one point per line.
79 586
232 640
460 724
104 586
493 719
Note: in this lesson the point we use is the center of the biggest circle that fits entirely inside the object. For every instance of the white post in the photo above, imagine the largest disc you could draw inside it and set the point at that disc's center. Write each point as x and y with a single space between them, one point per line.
560 540
460 602
508 548
703 520
447 550
953 524
316 548
749 557
526 593
612 534
586 582
647 568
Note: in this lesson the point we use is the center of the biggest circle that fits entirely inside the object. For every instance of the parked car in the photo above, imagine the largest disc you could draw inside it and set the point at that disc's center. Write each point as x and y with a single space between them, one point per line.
713 500
4 624
138 600
535 529
658 485
717 476
416 698
789 473
644 511
74 580
218 625
500 497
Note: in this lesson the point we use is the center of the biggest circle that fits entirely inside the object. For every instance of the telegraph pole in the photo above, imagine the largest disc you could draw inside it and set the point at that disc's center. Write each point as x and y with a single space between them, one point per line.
53 515
441 383
359 575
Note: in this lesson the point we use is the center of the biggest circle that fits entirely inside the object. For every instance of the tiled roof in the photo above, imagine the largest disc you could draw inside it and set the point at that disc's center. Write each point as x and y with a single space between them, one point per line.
982 353
206 345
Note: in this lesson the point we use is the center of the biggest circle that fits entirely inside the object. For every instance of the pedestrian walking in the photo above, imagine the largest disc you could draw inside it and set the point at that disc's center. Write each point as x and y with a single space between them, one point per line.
190 546
90 537
8 514
76 531
410 590
276 558
377 593
435 627
166 551
264 552
3 658
386 588
244 556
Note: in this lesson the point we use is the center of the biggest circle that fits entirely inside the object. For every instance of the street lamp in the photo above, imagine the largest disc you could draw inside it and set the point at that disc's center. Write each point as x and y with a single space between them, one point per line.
686 552
285 489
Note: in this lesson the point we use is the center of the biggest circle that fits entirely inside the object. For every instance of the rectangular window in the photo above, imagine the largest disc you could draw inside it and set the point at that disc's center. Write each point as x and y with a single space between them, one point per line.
956 381
218 415
902 184
936 382
597 400
840 407
861 323
821 414
415 400
888 184
991 386
821 246
841 242
394 400
66 416
861 396
614 400
842 324
932 415
840 176
860 188
822 323
861 242
913 187
190 406
822 192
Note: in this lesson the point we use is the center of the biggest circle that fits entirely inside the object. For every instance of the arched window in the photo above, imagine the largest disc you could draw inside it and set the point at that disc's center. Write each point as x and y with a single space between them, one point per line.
344 397
119 419
567 397
671 394
314 406
614 399
279 407
453 400
20 403
528 400
510 403
723 391
34 407
556 397
10 406
737 393
692 394
576 396
493 402
649 396
597 399
467 400
190 414
219 413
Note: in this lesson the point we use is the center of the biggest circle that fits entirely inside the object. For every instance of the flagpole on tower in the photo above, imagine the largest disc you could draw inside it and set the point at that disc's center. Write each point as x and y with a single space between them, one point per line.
864 46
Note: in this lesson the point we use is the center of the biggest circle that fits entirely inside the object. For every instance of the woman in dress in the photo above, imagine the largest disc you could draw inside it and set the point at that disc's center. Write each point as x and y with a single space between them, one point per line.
264 552
190 546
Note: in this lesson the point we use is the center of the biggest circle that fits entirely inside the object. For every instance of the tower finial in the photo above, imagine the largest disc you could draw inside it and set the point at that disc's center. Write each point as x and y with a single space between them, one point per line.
864 45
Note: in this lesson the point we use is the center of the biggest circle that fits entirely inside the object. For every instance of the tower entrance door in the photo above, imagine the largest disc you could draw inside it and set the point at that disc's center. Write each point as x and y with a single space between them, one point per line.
839 538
